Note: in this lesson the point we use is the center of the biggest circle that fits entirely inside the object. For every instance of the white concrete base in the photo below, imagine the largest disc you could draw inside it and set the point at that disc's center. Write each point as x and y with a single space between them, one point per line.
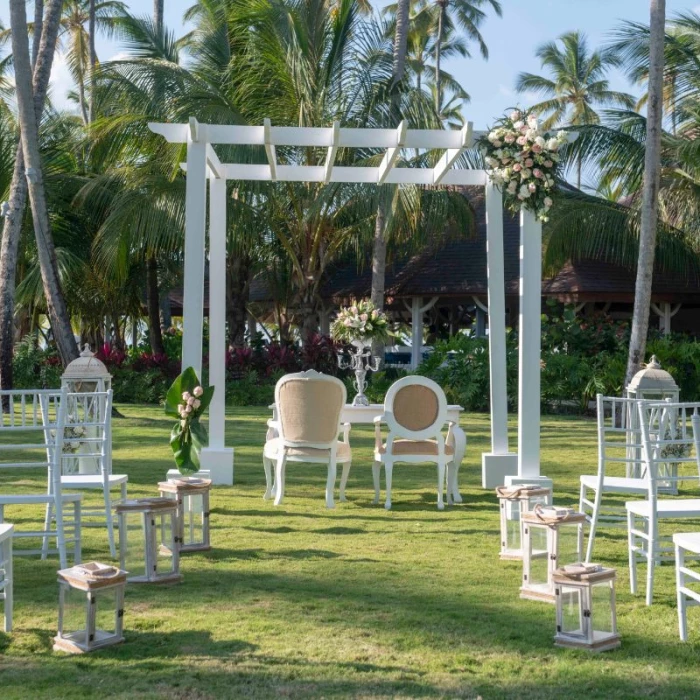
543 481
176 474
219 462
496 468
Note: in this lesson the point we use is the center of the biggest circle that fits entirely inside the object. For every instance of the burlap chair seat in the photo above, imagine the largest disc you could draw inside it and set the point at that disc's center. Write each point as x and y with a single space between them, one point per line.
416 447
273 446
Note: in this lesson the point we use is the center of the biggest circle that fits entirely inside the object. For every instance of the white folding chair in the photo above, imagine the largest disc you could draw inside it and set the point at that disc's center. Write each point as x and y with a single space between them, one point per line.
667 441
309 405
87 437
619 443
415 411
29 431
6 574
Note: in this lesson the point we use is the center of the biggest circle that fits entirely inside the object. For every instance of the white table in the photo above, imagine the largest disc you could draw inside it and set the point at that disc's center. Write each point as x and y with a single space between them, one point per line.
366 415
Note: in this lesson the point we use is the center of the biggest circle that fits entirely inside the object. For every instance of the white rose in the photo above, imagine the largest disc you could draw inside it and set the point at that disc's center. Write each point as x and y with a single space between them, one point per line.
552 145
548 202
540 141
515 115
531 134
524 192
518 125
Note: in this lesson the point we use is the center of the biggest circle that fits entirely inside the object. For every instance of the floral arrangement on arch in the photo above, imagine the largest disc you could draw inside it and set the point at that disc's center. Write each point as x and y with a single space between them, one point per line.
187 400
361 321
523 161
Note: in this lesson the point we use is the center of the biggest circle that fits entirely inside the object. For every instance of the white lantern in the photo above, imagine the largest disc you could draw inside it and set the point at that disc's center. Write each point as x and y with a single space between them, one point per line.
85 375
585 605
513 501
192 498
552 537
147 546
90 607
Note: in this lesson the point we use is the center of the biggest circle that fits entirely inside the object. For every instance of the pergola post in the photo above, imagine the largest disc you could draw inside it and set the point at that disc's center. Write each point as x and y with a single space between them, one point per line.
529 355
217 458
500 462
416 331
195 219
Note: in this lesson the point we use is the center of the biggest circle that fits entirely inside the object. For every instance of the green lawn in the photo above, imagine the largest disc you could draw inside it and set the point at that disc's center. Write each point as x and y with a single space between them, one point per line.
301 602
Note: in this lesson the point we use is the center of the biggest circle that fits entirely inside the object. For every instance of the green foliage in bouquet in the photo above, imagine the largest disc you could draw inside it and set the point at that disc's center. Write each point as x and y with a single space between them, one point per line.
187 400
362 320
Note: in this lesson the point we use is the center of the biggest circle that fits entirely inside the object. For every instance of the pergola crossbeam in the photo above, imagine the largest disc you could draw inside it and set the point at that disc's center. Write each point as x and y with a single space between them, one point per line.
451 154
214 164
392 154
270 151
332 151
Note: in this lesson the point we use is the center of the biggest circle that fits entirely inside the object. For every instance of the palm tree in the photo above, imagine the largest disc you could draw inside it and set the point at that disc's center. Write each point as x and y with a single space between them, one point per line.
577 85
650 190
76 18
29 120
465 16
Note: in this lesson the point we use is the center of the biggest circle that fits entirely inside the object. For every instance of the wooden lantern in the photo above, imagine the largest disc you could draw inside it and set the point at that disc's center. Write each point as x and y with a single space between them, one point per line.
585 600
191 495
90 607
147 547
552 537
513 501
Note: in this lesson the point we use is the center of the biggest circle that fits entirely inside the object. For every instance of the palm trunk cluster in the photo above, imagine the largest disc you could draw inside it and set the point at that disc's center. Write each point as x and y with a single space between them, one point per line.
650 191
30 100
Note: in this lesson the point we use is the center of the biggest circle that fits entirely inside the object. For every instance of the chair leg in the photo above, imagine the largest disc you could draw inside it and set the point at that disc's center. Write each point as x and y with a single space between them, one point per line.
267 466
594 523
388 468
441 484
651 558
450 484
61 534
330 483
279 477
7 555
680 596
110 521
631 552
376 469
47 529
78 532
344 480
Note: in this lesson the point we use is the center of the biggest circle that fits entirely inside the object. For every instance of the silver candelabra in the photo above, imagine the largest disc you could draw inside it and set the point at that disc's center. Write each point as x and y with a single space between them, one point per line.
361 361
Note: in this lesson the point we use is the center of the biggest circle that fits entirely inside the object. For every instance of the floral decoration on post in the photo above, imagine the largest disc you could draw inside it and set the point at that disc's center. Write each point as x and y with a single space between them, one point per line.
524 161
361 321
187 400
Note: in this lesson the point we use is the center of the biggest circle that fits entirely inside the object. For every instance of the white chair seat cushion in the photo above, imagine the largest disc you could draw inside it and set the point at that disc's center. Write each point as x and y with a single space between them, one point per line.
669 508
343 453
416 447
688 540
616 484
92 481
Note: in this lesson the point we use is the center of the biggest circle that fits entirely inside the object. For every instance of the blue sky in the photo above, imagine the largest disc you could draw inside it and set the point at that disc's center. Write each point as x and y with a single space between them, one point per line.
512 41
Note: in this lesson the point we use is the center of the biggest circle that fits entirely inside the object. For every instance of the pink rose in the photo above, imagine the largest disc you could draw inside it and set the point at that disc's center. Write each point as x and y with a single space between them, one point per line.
548 164
363 317
509 138
538 173
536 148
521 140
517 168
529 162
532 187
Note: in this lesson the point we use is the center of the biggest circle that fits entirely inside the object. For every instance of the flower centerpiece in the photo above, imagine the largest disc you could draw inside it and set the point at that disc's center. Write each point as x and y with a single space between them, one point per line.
359 324
524 160
187 400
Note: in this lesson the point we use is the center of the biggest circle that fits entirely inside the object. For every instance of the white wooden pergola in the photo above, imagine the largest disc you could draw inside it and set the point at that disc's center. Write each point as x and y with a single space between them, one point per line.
204 166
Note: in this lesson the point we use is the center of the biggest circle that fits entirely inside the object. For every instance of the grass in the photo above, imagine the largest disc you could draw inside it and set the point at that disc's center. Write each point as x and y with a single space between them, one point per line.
302 602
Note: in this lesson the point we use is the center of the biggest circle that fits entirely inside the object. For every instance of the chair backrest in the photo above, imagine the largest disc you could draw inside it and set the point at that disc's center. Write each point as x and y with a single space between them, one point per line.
309 405
668 442
415 407
83 431
619 434
28 429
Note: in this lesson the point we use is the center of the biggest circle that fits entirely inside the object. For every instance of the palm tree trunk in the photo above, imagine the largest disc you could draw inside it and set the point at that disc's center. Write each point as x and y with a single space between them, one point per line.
380 244
578 172
237 290
44 44
154 331
56 306
650 191
442 4
93 59
158 10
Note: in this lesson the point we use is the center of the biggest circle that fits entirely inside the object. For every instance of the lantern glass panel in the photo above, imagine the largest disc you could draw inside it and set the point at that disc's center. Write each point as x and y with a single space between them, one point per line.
539 556
105 613
75 608
512 525
572 611
135 549
601 608
568 550
166 537
192 512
